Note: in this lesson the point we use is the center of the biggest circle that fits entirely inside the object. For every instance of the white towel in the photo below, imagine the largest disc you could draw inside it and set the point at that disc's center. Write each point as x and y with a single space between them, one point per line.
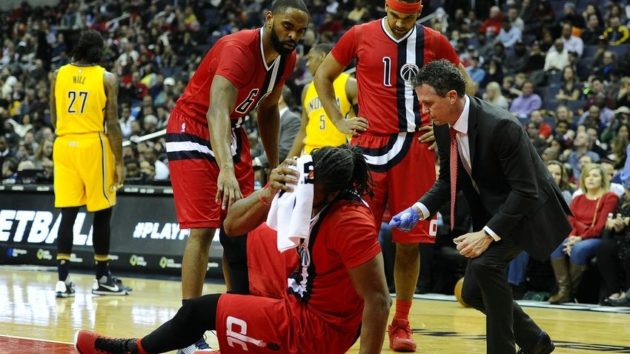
290 212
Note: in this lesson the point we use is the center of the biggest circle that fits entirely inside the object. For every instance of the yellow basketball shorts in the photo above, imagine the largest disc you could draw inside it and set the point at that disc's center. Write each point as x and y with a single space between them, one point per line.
84 171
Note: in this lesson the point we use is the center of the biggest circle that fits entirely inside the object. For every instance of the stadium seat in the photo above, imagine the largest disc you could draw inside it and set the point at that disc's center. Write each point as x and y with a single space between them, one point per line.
619 50
550 104
576 105
589 51
554 77
584 67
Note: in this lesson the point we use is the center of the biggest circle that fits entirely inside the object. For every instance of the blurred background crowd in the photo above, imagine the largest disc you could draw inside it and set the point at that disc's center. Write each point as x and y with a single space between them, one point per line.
562 68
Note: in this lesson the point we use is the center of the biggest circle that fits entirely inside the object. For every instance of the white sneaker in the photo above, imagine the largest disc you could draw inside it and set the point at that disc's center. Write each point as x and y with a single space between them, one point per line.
64 289
200 347
617 296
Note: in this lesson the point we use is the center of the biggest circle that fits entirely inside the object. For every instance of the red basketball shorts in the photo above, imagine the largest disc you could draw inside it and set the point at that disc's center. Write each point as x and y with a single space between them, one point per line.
403 169
194 171
270 320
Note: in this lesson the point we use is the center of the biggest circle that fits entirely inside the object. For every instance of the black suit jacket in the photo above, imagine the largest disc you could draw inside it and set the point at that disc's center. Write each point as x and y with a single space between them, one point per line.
517 197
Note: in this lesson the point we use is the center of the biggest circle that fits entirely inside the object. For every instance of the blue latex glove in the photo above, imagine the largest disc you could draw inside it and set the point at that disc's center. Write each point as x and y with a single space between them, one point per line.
405 220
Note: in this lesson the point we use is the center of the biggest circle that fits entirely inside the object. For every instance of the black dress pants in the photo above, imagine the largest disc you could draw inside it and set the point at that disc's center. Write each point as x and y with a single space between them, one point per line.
487 290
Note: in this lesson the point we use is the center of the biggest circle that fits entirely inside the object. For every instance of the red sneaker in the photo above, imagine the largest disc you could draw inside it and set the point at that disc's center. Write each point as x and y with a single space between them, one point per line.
87 342
400 339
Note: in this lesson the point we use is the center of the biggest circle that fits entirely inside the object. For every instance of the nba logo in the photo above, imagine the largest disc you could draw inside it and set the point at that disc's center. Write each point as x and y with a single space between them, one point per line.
408 72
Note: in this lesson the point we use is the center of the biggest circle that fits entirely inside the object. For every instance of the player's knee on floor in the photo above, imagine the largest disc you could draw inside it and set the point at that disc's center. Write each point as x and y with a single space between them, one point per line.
198 313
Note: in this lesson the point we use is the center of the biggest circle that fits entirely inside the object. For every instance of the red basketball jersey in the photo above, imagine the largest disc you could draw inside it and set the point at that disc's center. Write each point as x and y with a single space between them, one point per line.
344 239
321 314
239 58
386 67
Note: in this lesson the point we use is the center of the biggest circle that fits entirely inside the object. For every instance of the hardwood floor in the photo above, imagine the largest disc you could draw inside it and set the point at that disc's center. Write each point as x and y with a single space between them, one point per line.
30 315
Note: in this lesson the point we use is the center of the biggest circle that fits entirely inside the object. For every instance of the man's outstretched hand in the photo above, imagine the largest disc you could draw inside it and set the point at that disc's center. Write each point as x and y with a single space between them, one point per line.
405 220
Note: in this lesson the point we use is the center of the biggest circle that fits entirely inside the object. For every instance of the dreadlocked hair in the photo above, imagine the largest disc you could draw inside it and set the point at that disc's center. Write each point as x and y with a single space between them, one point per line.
342 169
90 47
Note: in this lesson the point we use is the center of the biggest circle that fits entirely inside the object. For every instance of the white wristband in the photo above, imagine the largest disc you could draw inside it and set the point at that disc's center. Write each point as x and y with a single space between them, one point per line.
421 209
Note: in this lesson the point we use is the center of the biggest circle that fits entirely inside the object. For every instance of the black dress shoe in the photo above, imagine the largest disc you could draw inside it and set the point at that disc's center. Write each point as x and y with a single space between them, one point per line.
544 345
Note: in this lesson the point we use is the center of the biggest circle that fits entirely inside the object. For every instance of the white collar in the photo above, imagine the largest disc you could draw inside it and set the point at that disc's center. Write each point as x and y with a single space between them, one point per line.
461 125
385 27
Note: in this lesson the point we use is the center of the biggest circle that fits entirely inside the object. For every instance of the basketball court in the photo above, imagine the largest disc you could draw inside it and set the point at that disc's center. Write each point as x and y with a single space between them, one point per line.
32 320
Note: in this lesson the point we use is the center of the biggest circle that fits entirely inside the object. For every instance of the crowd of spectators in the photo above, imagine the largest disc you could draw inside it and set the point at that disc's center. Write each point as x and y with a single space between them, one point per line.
562 68
153 47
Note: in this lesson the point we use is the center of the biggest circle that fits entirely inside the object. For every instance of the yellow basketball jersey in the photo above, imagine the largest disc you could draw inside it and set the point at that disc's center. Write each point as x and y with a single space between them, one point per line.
320 130
80 99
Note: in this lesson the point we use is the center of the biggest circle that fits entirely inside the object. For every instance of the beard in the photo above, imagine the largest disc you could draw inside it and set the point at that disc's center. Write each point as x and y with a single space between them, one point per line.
280 46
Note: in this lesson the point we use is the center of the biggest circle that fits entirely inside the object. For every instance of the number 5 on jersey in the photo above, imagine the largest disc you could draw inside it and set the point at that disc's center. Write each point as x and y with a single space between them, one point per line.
72 95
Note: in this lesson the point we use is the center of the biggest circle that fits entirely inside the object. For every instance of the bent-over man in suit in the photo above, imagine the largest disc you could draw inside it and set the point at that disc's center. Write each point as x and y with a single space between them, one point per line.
514 203
290 123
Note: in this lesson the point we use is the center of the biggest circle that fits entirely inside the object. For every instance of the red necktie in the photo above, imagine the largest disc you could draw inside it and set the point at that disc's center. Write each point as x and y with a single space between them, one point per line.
453 174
